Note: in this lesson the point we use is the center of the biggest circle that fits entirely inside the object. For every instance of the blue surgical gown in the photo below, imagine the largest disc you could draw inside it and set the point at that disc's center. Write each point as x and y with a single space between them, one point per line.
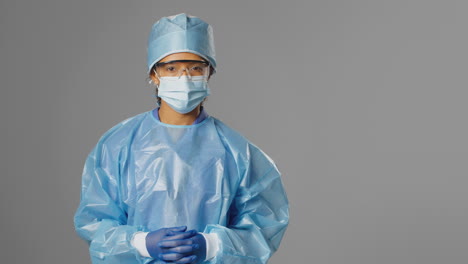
144 175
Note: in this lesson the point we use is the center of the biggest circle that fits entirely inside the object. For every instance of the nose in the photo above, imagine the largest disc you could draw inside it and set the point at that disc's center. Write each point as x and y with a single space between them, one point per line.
186 71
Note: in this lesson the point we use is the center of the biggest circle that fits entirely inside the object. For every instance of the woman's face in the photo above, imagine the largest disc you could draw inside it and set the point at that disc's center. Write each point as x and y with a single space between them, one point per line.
175 56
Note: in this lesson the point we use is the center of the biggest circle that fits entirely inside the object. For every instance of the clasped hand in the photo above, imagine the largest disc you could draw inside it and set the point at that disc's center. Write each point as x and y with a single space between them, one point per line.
176 245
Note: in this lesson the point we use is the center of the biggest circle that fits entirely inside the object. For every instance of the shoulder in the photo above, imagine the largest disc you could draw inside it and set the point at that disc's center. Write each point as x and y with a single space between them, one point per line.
228 133
117 135
243 149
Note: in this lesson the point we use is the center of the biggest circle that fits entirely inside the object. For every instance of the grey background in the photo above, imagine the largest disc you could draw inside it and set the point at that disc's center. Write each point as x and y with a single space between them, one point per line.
362 104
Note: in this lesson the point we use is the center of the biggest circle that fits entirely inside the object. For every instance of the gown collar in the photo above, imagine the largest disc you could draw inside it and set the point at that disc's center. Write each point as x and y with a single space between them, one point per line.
199 119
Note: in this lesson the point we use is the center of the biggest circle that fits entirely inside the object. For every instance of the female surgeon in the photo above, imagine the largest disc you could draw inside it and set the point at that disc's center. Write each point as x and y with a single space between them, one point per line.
174 184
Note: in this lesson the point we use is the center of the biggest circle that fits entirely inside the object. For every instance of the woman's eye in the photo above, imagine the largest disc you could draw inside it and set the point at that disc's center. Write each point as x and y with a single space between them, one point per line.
197 69
170 69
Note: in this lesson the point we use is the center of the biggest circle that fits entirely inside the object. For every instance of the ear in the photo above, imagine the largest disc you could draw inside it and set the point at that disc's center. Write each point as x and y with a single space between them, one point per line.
211 73
154 78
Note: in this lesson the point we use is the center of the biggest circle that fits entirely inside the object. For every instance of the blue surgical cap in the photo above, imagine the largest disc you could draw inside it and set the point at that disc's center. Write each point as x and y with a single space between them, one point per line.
180 33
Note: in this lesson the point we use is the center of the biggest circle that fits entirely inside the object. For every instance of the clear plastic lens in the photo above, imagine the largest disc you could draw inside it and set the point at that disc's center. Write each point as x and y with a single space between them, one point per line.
177 68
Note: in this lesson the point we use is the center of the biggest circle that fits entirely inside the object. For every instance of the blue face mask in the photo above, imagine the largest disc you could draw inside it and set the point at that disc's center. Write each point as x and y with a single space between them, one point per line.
183 94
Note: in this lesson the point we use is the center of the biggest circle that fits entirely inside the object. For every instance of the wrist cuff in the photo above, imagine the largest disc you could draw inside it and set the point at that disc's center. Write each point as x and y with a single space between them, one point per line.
139 242
212 247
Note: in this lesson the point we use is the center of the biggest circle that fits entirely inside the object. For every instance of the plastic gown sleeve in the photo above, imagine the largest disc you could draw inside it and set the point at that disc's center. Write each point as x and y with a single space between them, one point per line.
100 218
258 215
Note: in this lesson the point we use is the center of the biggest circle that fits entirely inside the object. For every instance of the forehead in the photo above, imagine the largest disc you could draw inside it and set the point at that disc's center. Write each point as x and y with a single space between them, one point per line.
181 56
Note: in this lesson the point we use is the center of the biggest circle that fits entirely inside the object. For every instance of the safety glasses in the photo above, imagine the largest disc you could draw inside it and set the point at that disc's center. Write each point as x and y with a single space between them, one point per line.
176 68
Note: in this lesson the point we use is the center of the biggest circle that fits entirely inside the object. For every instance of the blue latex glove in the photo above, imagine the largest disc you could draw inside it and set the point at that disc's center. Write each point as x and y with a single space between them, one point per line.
181 244
200 252
197 255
